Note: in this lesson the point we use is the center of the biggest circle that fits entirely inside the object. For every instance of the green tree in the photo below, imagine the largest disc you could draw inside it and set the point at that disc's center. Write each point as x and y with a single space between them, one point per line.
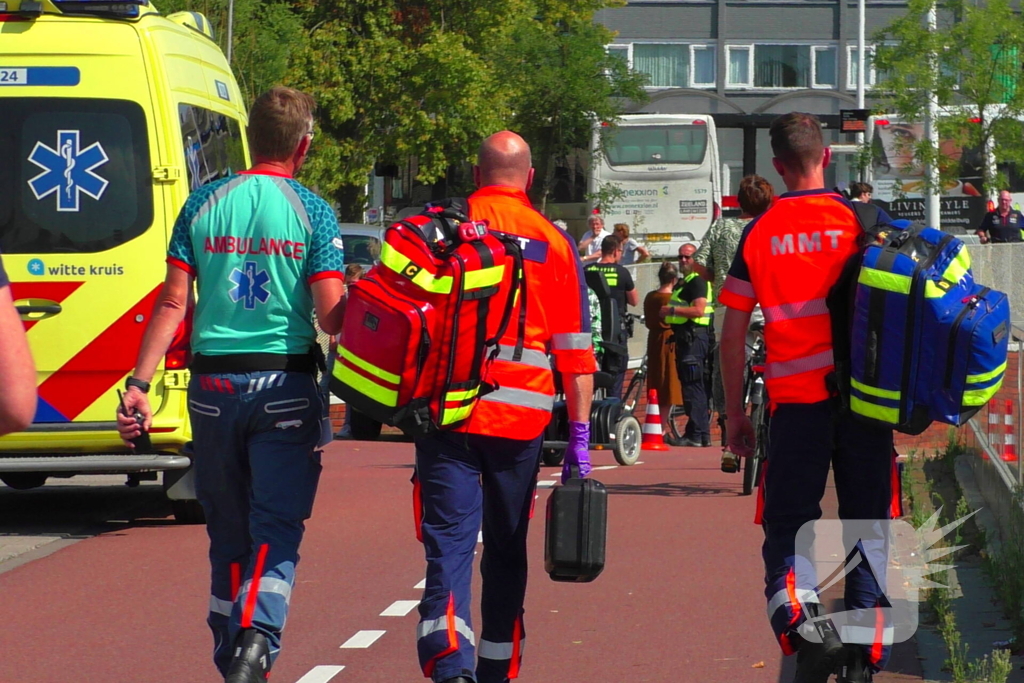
564 82
266 34
978 50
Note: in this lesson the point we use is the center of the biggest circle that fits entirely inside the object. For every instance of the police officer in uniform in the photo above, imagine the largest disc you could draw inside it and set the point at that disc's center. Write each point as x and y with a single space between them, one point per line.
264 253
623 291
689 312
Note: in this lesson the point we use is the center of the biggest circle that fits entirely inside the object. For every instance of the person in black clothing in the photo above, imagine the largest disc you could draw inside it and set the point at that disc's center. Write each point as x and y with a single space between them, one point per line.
1005 224
621 289
689 314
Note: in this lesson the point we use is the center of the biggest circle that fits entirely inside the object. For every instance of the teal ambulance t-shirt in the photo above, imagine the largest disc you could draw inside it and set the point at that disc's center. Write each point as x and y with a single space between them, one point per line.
255 243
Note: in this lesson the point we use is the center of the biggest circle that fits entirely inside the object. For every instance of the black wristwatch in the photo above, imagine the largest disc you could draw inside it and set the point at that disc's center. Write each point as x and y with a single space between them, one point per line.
138 384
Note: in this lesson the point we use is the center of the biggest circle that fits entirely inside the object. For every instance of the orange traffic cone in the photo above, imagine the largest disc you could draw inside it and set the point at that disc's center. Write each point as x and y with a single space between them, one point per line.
652 440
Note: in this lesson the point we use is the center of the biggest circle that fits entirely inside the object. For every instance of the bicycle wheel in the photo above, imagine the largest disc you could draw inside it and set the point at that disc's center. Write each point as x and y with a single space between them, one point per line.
677 421
752 465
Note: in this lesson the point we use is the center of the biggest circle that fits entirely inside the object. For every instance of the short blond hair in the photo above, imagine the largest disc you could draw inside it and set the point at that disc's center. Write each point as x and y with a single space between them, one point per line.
278 121
623 228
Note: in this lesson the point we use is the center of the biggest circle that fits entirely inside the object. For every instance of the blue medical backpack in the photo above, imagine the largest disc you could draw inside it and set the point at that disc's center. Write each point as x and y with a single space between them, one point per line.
927 342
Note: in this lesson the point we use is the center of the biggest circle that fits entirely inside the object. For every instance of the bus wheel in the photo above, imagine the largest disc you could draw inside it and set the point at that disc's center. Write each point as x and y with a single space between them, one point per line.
23 481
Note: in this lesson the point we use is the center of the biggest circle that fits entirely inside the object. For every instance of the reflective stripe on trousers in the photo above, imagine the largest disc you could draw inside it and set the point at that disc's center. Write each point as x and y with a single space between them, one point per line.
782 599
499 651
425 628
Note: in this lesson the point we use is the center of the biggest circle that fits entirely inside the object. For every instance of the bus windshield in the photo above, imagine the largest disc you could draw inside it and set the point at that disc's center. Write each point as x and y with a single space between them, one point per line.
645 145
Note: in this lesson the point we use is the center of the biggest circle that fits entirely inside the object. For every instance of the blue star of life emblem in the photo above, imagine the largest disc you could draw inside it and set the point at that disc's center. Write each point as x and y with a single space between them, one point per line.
68 171
250 285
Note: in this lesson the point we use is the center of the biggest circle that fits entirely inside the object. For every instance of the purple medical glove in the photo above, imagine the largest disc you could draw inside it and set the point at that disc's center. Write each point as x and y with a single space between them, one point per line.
578 452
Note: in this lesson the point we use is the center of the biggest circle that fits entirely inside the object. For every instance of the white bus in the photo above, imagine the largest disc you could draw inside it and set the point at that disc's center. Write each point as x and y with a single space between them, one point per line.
667 175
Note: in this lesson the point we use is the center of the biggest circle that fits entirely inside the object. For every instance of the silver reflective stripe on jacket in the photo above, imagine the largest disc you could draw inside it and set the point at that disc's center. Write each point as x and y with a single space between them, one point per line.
738 286
521 397
500 651
425 628
571 341
218 606
535 359
785 368
801 309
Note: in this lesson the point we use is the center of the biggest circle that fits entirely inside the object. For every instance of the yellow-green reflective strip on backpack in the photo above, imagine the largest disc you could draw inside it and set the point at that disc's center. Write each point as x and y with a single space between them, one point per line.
366 387
874 391
986 376
485 277
394 260
368 367
979 397
900 284
876 412
958 267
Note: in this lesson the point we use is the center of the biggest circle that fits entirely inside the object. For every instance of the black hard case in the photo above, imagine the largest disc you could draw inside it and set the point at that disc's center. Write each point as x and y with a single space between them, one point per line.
576 531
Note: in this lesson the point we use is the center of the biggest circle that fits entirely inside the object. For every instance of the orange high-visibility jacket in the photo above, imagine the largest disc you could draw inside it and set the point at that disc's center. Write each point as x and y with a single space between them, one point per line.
788 259
557 319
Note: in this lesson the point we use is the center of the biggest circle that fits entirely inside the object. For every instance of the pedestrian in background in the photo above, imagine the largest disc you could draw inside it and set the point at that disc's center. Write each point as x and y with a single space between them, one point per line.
484 475
353 273
861 192
619 287
257 412
809 430
712 261
590 245
1005 224
661 348
17 370
630 247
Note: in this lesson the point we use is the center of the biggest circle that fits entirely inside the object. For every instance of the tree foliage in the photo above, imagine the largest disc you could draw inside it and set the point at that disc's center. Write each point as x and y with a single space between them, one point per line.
424 81
977 51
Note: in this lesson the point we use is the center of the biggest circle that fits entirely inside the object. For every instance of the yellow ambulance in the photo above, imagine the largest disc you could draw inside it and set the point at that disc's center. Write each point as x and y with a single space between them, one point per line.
110 114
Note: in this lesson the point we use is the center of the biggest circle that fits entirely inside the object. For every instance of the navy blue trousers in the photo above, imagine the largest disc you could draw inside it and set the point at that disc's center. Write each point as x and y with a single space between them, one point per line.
465 481
804 440
691 357
257 467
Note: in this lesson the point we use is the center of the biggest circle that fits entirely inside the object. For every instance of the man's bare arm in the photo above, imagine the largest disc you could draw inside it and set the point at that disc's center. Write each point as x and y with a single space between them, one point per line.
168 312
579 392
17 370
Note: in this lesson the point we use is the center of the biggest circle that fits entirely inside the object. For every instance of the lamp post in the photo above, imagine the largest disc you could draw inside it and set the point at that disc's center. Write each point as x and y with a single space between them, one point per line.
932 211
231 27
860 66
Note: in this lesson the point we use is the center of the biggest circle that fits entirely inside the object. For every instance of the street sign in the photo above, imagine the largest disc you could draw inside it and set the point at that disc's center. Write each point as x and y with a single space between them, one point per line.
372 216
853 120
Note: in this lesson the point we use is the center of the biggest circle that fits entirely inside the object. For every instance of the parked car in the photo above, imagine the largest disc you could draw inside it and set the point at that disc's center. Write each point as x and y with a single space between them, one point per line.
362 243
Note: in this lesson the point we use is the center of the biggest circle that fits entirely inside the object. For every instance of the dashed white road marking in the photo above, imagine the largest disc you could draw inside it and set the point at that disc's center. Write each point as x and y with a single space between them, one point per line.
420 586
546 484
400 608
555 475
362 640
321 674
606 467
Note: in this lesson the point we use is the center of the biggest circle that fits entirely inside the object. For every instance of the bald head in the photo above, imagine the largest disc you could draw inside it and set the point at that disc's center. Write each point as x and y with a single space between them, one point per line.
504 160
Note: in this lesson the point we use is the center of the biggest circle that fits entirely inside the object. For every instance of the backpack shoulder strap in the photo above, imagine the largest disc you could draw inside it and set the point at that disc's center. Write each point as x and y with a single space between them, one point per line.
869 217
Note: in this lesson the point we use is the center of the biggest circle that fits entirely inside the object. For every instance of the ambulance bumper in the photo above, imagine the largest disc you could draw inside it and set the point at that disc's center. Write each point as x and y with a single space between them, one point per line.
93 464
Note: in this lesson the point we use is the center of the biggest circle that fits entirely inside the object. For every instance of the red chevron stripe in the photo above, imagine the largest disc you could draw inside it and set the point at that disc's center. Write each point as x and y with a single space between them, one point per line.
101 364
54 291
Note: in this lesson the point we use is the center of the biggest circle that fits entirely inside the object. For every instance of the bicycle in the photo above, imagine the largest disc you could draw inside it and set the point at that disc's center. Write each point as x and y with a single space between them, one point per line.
755 397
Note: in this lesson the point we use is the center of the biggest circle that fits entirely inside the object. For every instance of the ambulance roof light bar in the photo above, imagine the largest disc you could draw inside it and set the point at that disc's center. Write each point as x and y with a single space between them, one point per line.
128 9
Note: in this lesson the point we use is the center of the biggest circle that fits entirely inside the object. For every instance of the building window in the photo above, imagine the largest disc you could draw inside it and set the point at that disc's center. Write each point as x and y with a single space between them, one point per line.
870 77
782 66
671 65
739 65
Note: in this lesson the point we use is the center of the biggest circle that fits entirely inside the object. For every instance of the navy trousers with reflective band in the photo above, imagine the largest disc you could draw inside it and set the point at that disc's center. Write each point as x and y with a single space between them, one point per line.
804 439
466 481
257 468
691 357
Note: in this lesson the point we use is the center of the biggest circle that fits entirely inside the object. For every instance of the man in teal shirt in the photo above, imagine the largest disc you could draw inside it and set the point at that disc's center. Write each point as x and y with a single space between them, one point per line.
265 254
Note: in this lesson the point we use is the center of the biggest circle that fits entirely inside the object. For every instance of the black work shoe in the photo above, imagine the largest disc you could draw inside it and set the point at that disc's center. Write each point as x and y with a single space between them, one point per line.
251 660
730 462
854 667
816 661
705 443
689 443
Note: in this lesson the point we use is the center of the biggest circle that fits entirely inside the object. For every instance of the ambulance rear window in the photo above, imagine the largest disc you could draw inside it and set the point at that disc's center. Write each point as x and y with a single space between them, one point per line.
75 175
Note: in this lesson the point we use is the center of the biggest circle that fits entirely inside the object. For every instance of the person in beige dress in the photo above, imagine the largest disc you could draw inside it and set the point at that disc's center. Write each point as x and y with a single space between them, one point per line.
661 349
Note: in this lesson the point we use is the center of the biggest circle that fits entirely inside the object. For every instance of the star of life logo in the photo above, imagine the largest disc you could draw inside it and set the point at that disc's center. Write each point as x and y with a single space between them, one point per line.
250 285
899 557
68 171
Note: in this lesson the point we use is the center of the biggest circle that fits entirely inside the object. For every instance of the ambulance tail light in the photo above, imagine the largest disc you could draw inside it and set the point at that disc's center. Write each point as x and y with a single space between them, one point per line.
179 353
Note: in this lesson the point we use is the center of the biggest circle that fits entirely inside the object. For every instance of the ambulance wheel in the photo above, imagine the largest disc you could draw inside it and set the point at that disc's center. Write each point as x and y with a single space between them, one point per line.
628 436
364 427
188 512
553 457
23 481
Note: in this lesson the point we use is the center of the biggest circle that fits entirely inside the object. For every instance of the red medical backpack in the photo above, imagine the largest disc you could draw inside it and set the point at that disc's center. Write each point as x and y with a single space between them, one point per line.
422 326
